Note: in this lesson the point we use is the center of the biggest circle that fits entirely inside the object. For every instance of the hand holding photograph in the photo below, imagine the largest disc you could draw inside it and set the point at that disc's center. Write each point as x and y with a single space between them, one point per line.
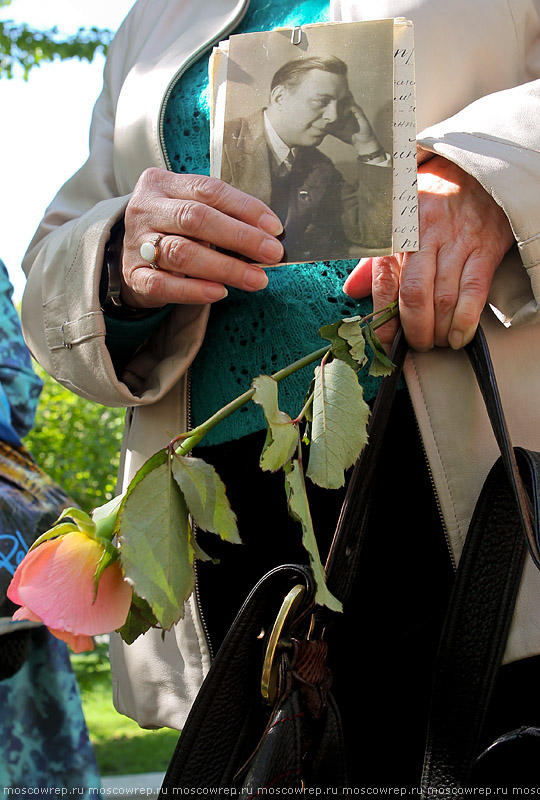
323 139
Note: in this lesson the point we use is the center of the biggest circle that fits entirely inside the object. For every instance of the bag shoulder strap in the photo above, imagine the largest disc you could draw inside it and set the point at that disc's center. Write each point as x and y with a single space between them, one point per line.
482 603
482 365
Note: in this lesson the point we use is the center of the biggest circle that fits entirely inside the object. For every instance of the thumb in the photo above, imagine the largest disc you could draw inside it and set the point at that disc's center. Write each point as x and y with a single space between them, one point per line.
358 284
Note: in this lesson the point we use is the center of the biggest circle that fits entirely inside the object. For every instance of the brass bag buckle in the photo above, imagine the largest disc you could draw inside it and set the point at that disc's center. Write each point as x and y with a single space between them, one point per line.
279 641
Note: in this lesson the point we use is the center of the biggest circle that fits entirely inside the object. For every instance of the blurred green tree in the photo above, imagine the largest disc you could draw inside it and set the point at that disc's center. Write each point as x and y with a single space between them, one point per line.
26 47
77 442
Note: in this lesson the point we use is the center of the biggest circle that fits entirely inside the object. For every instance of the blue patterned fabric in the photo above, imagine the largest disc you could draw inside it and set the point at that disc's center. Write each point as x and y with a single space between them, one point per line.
30 503
19 385
44 741
252 334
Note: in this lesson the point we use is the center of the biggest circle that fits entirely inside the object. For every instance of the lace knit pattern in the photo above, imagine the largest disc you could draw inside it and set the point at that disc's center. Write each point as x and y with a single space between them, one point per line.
250 334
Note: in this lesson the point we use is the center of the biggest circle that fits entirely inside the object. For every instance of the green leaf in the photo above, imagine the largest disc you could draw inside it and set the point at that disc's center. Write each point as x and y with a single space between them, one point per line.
152 463
381 364
54 532
299 510
199 553
104 517
353 332
139 619
340 416
155 548
282 437
340 347
24 47
204 493
108 557
65 443
82 520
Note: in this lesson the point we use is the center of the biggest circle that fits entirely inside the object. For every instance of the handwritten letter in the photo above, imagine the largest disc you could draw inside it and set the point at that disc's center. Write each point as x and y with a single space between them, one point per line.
405 225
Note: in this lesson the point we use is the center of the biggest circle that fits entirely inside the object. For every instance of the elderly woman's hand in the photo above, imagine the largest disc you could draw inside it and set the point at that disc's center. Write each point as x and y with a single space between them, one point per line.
191 212
443 287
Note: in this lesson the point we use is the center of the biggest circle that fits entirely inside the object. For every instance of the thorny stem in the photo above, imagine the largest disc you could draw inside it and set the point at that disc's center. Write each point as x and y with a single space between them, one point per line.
200 431
323 364
302 414
192 438
389 312
299 454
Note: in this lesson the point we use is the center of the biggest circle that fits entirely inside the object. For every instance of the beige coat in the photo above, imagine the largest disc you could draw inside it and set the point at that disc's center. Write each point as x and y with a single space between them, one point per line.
465 51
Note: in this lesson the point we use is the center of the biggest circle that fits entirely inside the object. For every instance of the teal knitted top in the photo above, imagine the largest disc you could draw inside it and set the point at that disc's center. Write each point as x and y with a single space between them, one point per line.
250 334
253 334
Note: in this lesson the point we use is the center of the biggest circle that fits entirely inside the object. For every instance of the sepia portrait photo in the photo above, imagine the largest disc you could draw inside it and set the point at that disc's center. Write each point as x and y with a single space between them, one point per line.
308 129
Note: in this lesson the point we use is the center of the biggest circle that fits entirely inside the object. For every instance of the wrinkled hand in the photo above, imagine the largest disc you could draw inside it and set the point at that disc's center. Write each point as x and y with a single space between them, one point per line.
192 212
443 287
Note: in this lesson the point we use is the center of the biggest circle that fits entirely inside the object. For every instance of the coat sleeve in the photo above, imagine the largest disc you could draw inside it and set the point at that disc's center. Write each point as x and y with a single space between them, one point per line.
60 310
497 140
62 319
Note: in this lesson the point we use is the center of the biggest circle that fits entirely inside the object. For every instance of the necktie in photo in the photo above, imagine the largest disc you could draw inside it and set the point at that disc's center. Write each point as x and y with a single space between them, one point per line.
286 165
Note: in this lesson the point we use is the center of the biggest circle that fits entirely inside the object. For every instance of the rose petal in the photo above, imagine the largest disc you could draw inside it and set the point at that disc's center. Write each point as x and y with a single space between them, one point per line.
13 588
25 613
77 643
56 582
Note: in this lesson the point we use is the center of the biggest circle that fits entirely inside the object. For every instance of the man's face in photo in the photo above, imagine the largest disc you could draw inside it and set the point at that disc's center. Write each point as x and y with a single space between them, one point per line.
302 113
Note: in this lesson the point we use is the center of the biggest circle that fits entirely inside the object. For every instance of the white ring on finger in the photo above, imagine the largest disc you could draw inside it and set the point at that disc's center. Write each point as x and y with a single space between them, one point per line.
151 251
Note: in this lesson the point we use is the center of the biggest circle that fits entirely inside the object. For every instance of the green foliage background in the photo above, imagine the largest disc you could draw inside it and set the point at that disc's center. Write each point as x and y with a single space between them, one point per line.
77 442
120 746
23 47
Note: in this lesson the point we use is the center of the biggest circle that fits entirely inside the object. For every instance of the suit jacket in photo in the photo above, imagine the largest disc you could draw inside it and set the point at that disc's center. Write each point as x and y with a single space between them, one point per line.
324 216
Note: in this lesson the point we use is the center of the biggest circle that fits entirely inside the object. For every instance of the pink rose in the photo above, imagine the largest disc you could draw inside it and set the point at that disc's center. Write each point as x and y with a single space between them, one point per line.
54 584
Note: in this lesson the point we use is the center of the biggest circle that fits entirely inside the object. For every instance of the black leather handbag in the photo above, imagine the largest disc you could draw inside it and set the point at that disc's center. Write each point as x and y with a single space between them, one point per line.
265 719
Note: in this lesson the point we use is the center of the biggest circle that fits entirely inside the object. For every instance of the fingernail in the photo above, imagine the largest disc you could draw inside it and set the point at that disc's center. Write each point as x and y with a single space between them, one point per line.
255 279
270 224
213 293
271 250
455 339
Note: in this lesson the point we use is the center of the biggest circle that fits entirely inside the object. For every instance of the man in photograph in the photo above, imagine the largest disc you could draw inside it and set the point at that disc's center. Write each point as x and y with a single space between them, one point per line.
273 154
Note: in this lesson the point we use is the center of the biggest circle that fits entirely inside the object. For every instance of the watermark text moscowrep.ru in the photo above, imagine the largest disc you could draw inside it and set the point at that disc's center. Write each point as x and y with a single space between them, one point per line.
251 792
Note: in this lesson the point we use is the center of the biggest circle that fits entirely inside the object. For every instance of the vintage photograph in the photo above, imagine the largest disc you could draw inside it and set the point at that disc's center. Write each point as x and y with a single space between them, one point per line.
308 130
